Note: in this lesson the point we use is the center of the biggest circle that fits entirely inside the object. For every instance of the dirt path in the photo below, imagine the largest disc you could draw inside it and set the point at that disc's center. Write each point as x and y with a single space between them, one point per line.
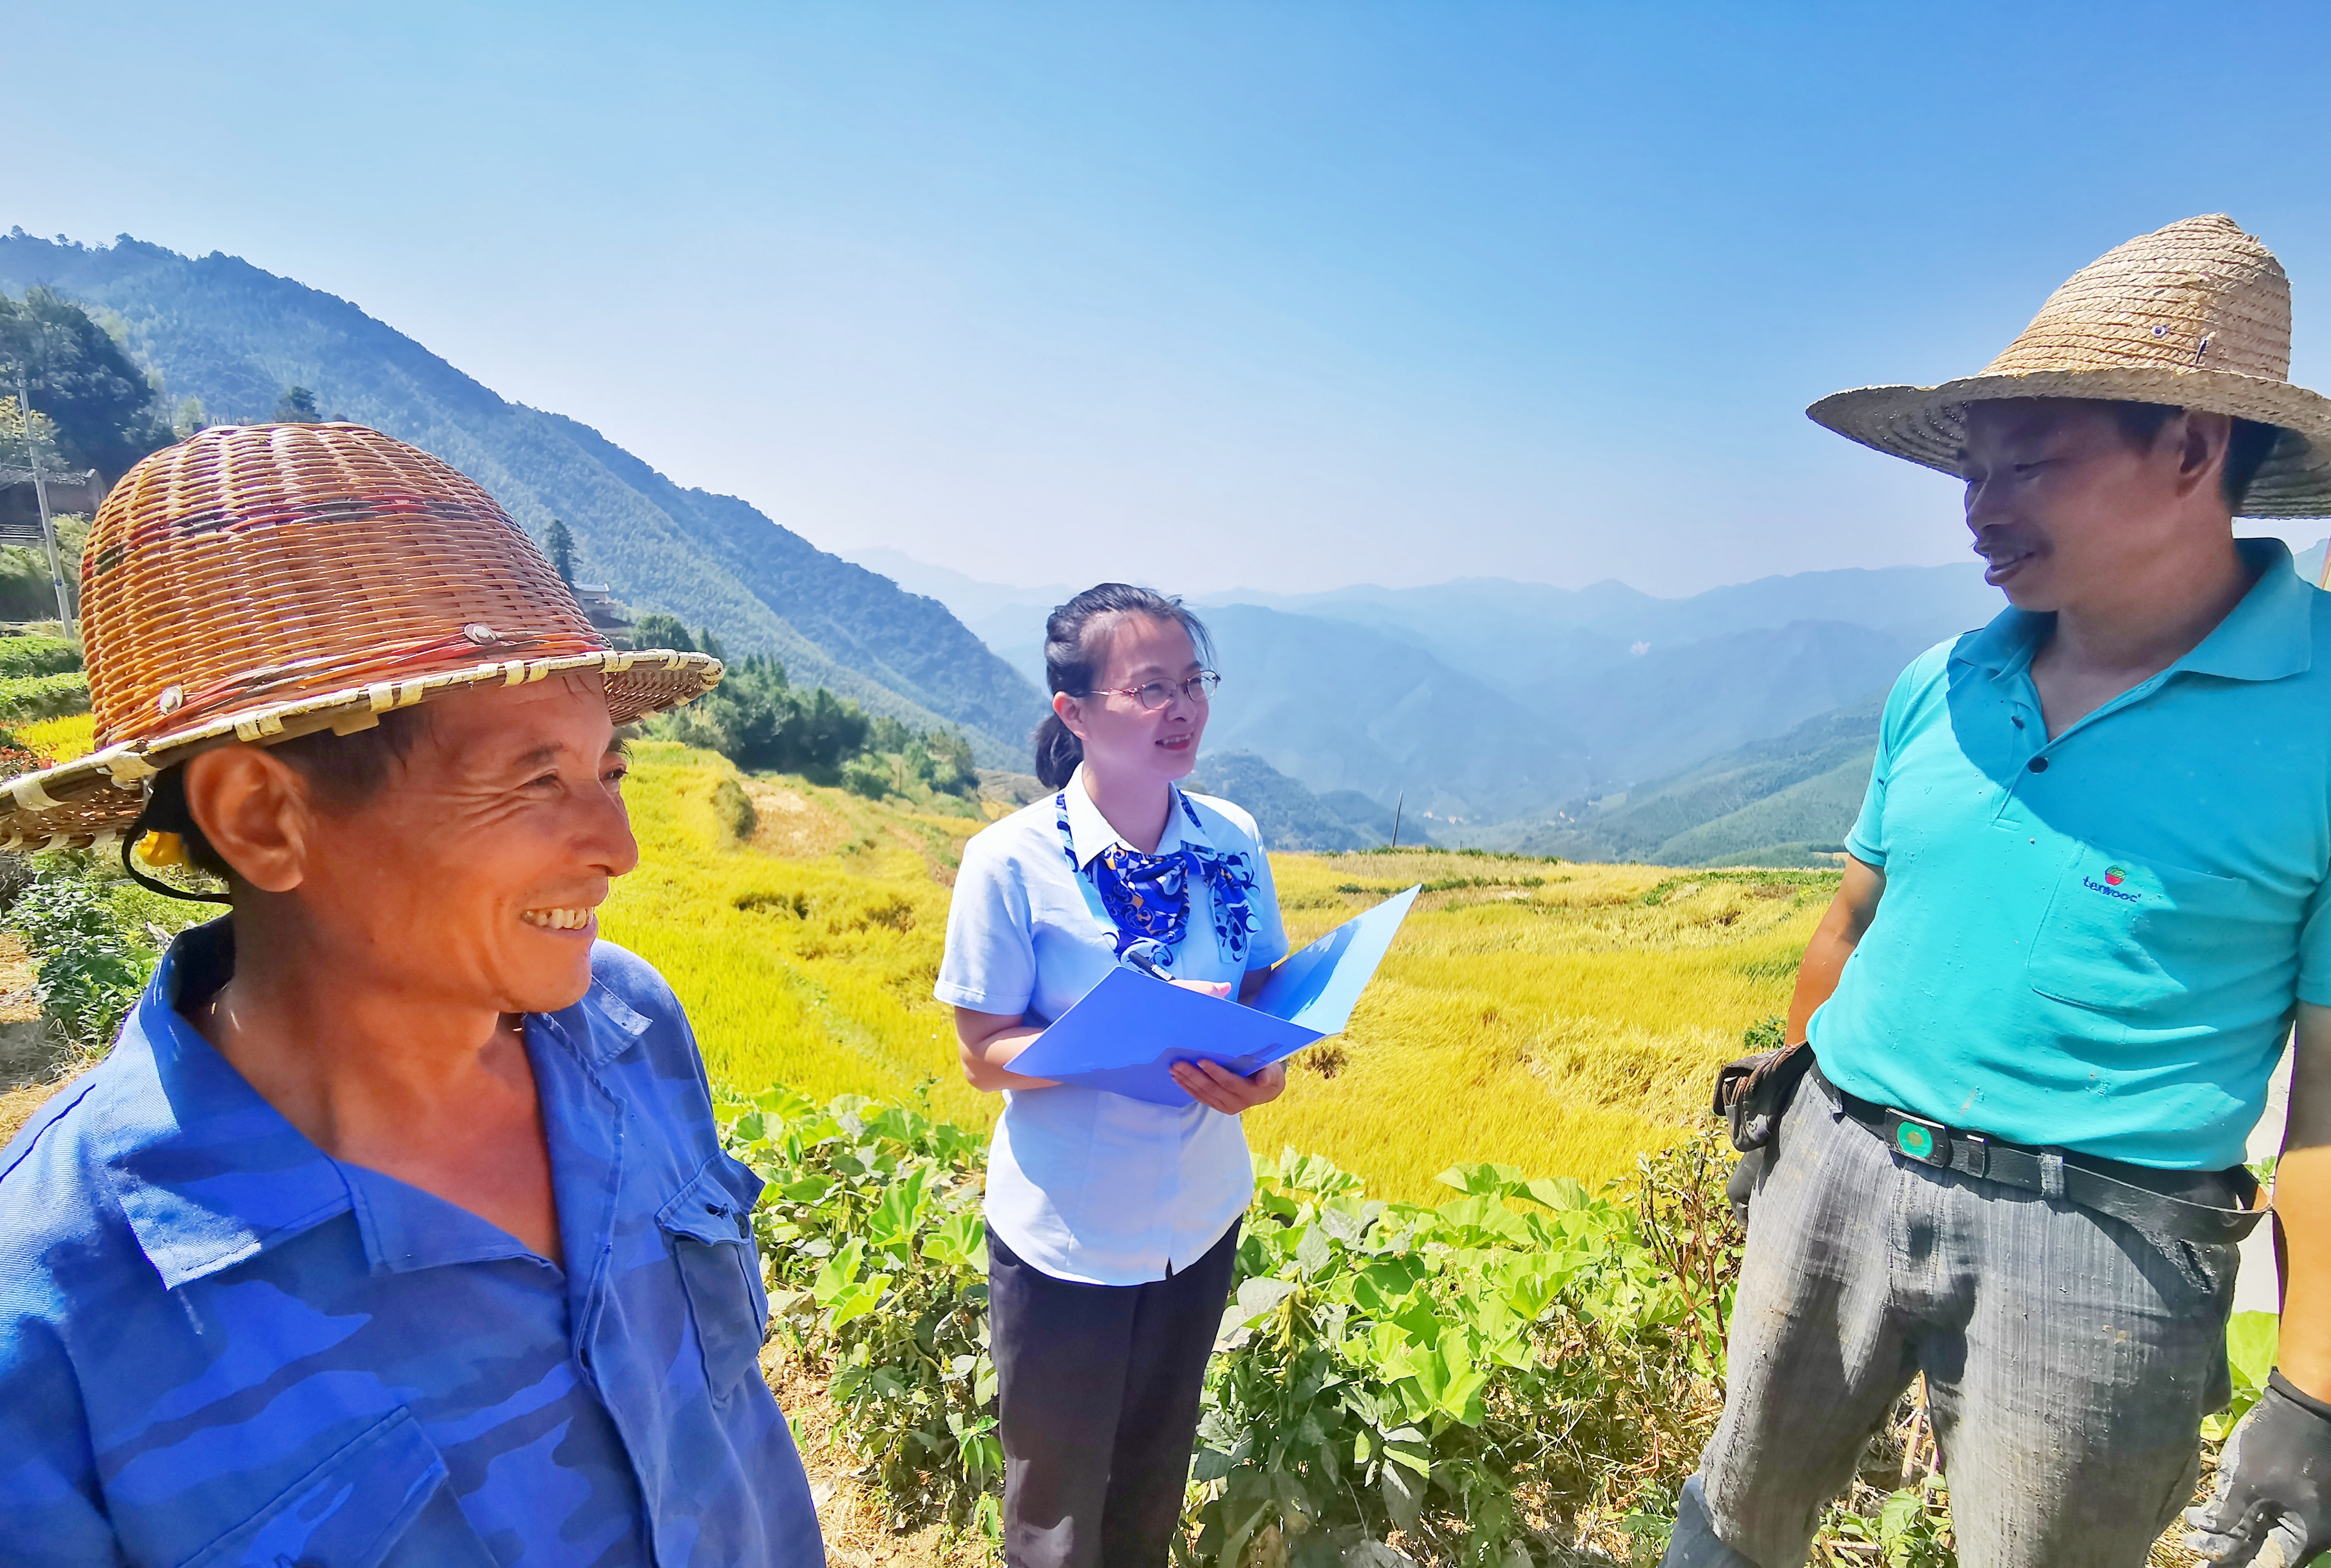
32 1066
856 1536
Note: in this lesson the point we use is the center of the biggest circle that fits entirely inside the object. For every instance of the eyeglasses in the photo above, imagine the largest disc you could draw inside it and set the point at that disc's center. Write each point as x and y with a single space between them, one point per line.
1157 694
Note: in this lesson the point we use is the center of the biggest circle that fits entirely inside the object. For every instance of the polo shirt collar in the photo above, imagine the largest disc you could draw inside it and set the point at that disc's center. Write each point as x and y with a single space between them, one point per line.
2269 635
1090 831
210 1176
2271 632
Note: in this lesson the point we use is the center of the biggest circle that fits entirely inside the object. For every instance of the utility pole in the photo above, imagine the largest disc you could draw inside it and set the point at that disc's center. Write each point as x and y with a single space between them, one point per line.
41 497
1395 818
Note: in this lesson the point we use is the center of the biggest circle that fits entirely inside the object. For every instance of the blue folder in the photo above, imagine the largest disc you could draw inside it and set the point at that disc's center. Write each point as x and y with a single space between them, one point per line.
1125 1033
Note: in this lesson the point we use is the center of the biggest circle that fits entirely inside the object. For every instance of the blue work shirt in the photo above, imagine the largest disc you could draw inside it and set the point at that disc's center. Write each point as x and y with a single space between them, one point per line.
220 1345
2098 941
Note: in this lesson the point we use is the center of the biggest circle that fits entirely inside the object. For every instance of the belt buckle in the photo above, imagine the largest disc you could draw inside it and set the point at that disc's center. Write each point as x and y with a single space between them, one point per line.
1929 1143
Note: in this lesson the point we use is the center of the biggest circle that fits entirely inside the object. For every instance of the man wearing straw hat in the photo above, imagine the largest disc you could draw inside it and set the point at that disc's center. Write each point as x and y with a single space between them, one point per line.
395 1228
2088 899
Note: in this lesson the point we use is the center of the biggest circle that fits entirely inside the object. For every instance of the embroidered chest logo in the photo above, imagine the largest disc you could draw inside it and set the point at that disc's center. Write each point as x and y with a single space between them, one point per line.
2110 886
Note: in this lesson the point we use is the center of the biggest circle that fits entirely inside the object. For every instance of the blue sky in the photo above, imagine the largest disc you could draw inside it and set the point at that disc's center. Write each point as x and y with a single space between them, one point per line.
1279 295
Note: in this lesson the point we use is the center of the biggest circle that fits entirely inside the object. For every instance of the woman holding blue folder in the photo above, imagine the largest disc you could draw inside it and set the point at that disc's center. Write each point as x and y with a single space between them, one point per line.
1112 1223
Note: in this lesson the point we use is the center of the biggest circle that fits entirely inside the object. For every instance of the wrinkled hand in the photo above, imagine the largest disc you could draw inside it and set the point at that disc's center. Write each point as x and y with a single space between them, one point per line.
2272 1507
1211 1084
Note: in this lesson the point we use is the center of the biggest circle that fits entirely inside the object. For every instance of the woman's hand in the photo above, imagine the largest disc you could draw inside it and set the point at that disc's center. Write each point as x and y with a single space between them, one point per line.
1214 1084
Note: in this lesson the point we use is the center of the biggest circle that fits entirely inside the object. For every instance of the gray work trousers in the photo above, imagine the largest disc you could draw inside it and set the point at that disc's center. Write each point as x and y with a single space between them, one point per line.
2069 1359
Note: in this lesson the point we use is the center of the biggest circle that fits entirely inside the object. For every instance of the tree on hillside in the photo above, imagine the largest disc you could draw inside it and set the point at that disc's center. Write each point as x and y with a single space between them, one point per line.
297 406
946 763
757 720
558 543
104 410
659 629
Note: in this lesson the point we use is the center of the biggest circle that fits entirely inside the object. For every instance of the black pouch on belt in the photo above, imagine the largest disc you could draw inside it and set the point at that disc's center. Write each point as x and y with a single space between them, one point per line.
1751 1094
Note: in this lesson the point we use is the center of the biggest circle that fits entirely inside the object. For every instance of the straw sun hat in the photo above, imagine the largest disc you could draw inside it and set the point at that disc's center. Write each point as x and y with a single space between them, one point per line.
258 582
2196 315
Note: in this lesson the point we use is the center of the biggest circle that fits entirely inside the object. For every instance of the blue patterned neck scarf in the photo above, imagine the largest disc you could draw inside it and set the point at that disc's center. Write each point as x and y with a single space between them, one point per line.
1148 897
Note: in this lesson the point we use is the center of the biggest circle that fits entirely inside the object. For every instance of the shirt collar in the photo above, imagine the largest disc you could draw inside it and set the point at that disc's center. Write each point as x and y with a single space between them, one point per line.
2269 635
210 1176
207 1173
1090 833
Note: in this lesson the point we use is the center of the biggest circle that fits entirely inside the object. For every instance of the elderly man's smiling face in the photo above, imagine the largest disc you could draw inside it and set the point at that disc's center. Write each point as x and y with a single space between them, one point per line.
471 878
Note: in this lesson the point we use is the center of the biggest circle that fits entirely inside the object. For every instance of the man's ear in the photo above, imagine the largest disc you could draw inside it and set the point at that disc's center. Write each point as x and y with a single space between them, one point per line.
1072 712
2201 440
253 809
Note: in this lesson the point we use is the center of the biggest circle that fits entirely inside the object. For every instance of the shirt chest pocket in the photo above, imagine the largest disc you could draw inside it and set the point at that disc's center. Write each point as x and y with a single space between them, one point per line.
709 1228
380 1502
2123 933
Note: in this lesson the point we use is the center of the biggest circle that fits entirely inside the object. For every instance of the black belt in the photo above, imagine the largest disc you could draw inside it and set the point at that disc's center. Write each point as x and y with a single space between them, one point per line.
2178 1205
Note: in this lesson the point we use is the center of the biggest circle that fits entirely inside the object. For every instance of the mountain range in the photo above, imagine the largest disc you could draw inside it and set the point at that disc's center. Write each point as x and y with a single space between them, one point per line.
221 331
1596 723
1502 713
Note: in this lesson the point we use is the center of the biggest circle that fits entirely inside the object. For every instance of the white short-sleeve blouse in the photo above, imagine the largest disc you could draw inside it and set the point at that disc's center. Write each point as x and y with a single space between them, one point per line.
1086 1185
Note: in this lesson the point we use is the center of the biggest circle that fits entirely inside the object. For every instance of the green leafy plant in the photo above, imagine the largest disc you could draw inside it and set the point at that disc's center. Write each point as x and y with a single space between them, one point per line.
1910 1529
2251 1339
24 697
1467 1375
88 965
1463 1377
24 656
878 1257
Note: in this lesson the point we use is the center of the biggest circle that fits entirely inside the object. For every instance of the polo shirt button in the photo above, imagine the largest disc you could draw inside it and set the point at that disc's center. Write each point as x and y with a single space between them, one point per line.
2039 764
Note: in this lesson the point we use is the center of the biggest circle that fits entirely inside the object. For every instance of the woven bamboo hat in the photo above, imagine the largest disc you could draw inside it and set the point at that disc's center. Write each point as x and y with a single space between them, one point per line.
262 582
2196 315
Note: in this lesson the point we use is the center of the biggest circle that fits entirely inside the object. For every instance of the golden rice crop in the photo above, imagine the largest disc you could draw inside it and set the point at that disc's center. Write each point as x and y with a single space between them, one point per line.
806 952
1556 1017
58 739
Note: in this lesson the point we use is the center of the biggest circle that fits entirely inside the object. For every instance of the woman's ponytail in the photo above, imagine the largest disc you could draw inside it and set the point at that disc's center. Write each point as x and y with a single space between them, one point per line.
1070 635
1058 752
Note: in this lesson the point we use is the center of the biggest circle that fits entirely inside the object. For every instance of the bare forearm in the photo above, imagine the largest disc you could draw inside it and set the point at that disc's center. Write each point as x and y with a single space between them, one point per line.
1825 960
2302 1208
986 1043
2302 1205
1833 941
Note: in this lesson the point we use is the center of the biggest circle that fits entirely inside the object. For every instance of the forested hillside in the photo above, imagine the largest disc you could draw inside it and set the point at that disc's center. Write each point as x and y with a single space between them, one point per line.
1779 800
236 339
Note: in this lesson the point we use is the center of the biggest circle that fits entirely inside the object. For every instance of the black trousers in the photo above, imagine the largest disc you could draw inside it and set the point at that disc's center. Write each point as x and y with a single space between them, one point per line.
1098 1389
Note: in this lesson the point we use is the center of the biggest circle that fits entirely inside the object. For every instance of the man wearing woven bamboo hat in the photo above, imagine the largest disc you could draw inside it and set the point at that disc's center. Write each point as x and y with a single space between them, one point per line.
2086 900
396 1230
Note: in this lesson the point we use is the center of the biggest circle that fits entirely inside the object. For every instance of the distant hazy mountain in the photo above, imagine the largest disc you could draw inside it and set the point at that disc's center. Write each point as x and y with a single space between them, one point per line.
1649 715
1341 706
223 331
1768 801
972 601
1519 636
1382 824
1290 816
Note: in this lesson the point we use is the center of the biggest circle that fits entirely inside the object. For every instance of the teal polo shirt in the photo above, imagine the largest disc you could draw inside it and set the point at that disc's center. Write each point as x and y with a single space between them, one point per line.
2096 942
